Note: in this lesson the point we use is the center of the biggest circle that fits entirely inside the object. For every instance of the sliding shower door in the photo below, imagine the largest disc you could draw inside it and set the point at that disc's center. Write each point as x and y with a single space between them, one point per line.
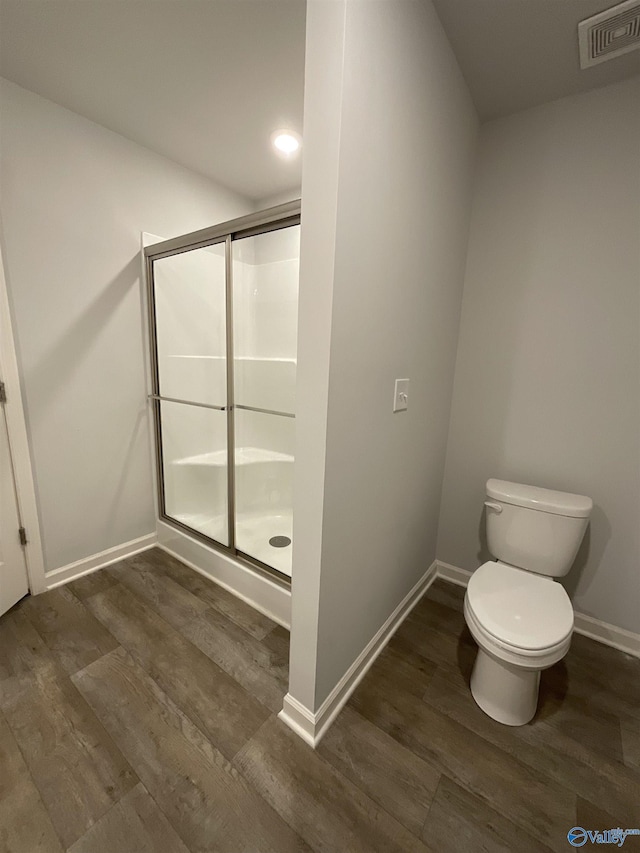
190 299
223 328
265 300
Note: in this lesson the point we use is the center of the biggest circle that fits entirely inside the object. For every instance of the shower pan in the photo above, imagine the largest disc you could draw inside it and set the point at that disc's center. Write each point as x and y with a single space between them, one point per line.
223 305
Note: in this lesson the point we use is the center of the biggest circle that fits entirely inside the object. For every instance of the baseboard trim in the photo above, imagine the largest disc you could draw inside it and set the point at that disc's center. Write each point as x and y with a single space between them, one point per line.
88 565
311 727
610 635
588 626
453 574
300 719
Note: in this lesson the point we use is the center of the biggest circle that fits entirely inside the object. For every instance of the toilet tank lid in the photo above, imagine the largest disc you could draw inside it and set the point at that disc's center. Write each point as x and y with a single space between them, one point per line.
544 500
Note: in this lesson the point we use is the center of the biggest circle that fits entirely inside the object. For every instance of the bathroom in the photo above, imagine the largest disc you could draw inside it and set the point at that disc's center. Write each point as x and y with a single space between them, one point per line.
469 223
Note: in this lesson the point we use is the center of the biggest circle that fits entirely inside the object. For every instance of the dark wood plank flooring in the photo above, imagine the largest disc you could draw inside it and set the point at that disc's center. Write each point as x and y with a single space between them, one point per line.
138 715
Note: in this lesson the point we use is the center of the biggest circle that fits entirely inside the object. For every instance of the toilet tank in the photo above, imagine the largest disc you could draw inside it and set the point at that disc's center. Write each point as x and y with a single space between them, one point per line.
535 529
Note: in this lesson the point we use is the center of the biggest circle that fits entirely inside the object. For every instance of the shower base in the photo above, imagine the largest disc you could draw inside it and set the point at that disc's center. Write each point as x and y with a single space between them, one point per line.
253 532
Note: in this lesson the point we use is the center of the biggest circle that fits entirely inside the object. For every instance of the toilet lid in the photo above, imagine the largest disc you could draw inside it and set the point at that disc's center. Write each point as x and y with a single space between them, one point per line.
520 608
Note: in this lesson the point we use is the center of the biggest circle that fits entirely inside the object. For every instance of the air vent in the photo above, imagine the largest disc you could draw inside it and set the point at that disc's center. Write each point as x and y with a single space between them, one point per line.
610 33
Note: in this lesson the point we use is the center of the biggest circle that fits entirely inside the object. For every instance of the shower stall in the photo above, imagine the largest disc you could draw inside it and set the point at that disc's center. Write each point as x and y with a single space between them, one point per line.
223 307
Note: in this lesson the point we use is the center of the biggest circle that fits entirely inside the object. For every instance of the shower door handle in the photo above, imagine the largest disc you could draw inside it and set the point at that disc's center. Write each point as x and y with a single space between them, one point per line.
187 402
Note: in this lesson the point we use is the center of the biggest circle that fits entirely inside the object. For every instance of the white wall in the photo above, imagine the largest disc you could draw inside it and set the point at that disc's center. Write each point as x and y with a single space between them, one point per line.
75 198
279 198
389 148
324 51
547 386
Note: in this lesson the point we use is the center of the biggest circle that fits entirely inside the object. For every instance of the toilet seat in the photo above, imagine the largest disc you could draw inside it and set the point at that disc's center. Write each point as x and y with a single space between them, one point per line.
523 659
520 612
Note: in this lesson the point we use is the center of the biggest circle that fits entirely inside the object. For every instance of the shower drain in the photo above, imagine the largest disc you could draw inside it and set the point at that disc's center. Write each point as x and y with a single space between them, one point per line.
279 541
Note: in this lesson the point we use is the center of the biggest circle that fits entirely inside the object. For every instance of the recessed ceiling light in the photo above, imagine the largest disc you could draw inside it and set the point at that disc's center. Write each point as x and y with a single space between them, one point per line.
286 142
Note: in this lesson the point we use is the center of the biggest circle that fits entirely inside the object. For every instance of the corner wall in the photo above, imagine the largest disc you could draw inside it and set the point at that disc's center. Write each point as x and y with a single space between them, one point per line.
547 387
75 199
390 135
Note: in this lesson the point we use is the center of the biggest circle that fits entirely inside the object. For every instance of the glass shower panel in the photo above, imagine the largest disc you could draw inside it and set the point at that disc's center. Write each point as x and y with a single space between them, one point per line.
264 487
190 299
194 468
265 309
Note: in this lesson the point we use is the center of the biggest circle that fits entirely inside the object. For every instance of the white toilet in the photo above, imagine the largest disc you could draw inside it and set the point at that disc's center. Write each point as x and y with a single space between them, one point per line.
520 618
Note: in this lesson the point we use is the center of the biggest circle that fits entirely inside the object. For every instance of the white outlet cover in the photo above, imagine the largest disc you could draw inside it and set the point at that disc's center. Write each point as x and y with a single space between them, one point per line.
401 395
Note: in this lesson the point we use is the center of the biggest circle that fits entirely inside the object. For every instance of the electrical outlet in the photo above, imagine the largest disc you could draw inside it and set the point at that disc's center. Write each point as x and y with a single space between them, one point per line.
401 395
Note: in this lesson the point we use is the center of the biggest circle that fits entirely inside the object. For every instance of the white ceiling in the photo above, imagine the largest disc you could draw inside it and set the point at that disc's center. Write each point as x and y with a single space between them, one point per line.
515 54
204 82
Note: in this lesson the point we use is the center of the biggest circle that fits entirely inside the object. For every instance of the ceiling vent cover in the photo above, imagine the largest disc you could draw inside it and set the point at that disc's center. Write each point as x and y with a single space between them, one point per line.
610 33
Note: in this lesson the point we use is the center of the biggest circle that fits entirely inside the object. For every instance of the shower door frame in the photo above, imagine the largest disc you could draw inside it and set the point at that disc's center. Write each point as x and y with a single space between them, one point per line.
253 224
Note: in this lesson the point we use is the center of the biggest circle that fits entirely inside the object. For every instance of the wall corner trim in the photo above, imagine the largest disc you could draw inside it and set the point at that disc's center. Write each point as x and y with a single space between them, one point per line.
452 573
588 626
300 719
88 565
311 727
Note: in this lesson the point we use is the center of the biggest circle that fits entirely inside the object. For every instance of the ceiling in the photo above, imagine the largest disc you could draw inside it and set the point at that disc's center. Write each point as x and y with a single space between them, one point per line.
203 82
515 54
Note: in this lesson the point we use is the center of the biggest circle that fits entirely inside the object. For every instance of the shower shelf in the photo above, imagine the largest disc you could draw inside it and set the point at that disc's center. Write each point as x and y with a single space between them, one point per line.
244 456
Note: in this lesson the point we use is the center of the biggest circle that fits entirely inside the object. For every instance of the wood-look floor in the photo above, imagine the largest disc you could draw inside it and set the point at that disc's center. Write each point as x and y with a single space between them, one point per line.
138 715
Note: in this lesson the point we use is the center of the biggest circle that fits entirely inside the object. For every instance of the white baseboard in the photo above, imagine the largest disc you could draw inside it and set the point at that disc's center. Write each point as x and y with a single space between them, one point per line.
270 598
299 718
610 635
86 566
596 629
311 727
453 574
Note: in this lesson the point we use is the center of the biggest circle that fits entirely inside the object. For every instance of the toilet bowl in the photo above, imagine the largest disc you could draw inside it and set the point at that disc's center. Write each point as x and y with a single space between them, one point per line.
521 619
520 629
